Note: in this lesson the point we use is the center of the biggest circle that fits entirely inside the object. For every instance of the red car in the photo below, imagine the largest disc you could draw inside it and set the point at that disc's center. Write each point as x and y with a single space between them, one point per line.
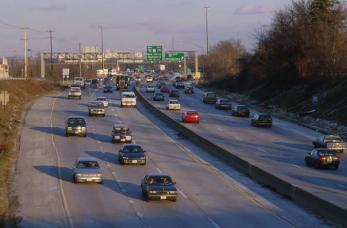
190 117
165 89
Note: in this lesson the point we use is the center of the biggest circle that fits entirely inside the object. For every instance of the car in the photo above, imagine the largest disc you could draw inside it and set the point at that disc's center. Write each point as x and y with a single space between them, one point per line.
321 157
80 81
240 110
189 90
173 105
76 125
157 186
261 120
87 169
128 99
174 93
165 89
132 154
75 92
179 85
95 83
331 142
108 89
96 108
158 97
121 133
160 84
223 103
150 89
209 98
190 117
103 100
149 78
88 82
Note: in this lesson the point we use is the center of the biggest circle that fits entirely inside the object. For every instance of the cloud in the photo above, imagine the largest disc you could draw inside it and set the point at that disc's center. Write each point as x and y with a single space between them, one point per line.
254 9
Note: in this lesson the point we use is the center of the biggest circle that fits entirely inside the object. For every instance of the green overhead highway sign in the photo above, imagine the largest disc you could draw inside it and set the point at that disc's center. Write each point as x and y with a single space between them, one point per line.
174 56
154 53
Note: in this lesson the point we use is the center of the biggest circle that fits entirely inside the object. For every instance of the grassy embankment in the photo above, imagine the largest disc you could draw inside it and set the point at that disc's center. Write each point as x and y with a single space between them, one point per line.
21 94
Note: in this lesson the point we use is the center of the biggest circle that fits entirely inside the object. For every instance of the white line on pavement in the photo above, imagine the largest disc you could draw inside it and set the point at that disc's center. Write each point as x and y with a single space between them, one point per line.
213 222
182 193
159 171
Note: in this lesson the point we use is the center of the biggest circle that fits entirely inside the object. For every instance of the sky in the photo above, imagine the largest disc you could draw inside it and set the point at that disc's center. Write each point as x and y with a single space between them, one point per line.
130 25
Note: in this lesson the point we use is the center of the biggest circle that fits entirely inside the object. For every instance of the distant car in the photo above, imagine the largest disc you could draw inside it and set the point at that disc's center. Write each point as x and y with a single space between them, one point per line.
158 187
149 79
160 84
223 103
190 117
128 99
96 108
331 142
173 105
121 133
76 125
240 110
158 97
103 100
150 89
261 120
132 154
75 92
179 85
209 98
321 158
108 89
95 83
189 90
165 89
87 169
88 82
174 93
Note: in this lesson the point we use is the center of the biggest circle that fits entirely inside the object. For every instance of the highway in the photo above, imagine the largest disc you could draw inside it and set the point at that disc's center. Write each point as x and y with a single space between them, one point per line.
280 149
209 196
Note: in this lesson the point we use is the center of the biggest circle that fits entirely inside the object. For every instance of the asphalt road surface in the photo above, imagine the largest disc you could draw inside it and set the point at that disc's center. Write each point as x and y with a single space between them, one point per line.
208 197
280 149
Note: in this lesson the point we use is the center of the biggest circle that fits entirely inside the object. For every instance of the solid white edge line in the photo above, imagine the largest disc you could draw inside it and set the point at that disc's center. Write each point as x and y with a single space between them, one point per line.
182 193
213 222
159 171
65 204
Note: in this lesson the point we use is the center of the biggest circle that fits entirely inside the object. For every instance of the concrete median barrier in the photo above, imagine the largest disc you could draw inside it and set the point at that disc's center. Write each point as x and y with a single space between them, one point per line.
297 194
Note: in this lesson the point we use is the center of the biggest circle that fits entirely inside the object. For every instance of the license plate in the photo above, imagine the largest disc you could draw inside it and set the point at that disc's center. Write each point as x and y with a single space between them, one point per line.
89 180
162 197
122 140
134 161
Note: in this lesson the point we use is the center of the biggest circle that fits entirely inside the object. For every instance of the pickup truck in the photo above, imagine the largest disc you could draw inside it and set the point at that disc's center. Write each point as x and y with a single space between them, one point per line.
128 99
331 142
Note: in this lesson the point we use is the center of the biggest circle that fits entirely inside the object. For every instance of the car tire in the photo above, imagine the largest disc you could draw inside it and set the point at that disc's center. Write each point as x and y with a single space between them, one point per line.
174 199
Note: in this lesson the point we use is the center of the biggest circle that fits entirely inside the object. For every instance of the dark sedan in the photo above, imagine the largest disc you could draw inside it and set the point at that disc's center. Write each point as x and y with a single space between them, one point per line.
158 97
108 89
223 103
175 93
132 154
320 158
240 110
159 187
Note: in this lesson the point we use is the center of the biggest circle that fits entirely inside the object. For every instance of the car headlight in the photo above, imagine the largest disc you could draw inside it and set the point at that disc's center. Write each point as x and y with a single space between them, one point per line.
172 192
78 174
145 157
152 192
99 175
83 128
128 137
69 128
116 137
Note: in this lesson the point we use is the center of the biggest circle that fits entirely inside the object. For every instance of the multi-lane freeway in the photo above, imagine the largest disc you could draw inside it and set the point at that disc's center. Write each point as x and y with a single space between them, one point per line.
210 193
280 150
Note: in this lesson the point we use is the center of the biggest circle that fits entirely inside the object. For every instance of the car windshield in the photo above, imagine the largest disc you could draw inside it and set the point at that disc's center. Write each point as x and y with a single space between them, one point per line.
241 107
332 138
75 89
326 153
210 95
160 180
101 99
76 121
132 149
129 95
264 117
121 129
96 104
192 113
224 101
87 165
173 102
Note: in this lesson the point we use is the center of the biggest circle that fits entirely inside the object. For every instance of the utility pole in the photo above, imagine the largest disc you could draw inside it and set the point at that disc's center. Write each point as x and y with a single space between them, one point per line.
102 47
51 39
25 52
173 43
206 17
80 50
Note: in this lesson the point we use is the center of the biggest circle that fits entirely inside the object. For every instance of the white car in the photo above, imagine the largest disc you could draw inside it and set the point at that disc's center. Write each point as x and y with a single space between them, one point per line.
150 89
103 100
128 98
173 105
75 92
149 79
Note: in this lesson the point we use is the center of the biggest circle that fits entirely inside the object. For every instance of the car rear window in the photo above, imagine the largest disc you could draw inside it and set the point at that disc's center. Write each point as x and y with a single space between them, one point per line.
88 165
242 107
210 95
159 180
333 138
132 149
76 121
192 113
264 117
173 102
101 99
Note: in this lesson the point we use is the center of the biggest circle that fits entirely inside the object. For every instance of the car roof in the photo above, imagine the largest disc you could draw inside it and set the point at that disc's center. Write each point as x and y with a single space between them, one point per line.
75 117
86 159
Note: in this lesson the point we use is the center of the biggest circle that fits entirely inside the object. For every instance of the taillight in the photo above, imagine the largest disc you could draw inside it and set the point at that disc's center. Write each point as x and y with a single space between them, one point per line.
336 158
322 158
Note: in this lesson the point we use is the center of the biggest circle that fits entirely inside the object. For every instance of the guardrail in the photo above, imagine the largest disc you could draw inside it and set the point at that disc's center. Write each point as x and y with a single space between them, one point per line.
297 194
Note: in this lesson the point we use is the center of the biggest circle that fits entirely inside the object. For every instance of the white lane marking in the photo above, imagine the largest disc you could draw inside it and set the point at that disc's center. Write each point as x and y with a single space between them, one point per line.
262 150
139 214
115 115
65 204
108 164
182 193
343 186
98 141
237 138
213 222
134 141
296 166
113 173
159 171
219 129
131 201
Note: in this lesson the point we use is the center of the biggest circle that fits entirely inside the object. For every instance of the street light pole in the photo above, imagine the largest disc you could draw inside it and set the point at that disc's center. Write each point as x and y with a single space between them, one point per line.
102 47
206 18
